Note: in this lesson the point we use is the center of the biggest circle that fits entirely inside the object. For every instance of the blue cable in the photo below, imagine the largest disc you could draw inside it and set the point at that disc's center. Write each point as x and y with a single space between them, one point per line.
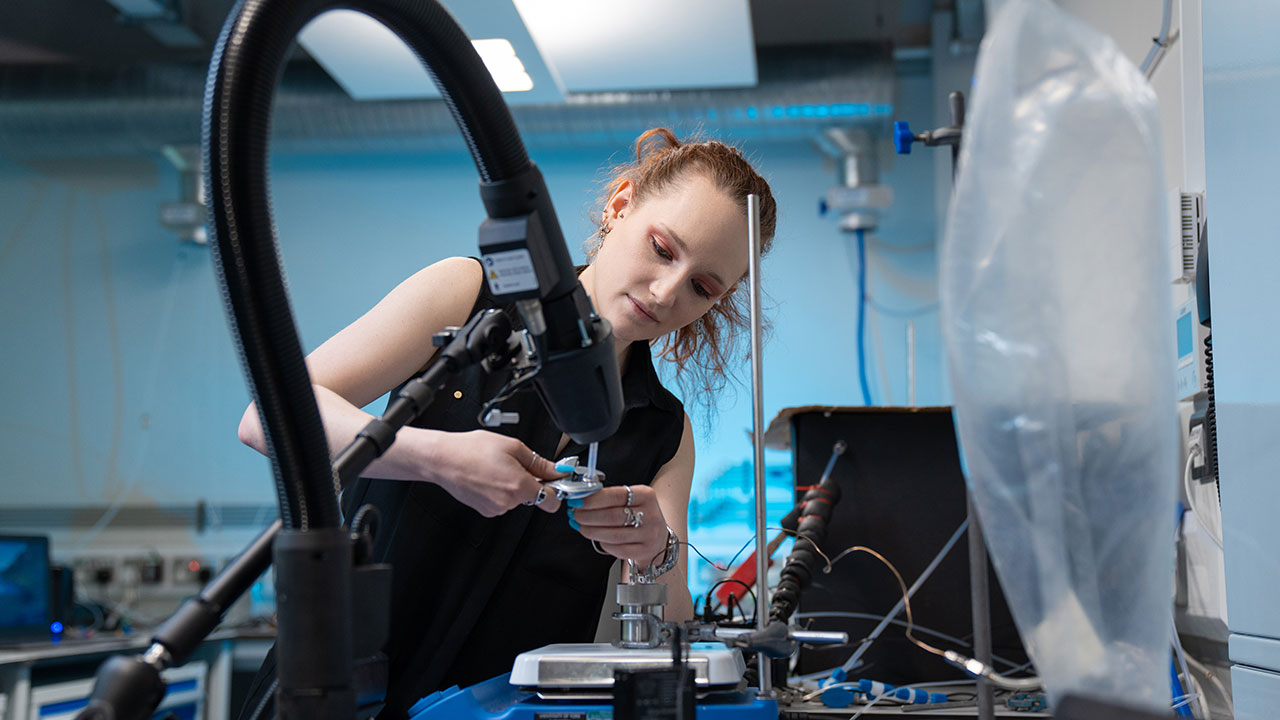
862 316
1177 690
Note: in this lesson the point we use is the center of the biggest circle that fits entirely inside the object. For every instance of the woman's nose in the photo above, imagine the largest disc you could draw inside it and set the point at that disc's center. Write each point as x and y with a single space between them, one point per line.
664 288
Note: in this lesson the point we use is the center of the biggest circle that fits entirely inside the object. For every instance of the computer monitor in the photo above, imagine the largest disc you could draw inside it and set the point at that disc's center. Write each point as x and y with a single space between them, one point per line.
25 607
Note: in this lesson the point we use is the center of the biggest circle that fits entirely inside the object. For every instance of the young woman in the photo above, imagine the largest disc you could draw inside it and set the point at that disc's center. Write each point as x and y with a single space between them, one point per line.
486 564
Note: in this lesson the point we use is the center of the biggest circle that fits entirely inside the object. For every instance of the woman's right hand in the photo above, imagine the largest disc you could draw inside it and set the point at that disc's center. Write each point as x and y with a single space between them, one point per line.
490 473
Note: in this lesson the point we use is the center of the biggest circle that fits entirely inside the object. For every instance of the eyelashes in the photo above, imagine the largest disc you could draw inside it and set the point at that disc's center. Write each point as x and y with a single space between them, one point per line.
661 252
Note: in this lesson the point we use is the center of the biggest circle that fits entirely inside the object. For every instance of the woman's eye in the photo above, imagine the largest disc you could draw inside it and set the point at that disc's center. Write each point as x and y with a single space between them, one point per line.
700 289
661 251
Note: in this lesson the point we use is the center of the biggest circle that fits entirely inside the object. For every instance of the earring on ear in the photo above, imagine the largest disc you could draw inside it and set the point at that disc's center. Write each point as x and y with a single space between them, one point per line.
604 230
699 327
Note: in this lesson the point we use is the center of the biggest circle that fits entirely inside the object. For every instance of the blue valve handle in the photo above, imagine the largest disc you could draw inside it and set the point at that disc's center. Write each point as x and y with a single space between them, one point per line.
903 137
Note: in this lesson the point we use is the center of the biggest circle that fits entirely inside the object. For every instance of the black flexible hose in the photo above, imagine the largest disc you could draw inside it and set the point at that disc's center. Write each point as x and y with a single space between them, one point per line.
797 574
247 64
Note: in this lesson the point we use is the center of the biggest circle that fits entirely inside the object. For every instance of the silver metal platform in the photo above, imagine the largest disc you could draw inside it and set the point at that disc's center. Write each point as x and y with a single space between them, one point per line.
591 665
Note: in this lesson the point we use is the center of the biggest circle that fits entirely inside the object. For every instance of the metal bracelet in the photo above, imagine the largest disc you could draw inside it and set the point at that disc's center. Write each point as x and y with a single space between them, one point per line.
672 554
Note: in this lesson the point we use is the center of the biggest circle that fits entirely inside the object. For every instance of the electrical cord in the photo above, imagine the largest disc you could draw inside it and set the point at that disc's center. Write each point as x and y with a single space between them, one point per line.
1213 678
1196 454
514 384
908 594
862 317
894 621
968 664
1186 673
816 549
711 593
878 698
1185 700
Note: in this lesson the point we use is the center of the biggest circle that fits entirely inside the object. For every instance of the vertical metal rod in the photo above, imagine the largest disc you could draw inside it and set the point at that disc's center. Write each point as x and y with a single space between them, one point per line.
757 436
911 363
980 601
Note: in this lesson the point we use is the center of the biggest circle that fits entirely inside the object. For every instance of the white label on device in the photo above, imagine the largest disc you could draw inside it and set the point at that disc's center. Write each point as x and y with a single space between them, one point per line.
510 271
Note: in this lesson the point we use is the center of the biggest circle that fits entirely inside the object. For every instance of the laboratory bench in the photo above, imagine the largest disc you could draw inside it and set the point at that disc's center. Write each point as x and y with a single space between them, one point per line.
52 680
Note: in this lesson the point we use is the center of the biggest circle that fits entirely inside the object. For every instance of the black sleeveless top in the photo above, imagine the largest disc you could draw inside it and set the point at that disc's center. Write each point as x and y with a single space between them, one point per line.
470 593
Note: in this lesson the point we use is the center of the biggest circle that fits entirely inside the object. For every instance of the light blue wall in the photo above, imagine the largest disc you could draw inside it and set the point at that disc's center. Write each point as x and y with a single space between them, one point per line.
1242 163
120 373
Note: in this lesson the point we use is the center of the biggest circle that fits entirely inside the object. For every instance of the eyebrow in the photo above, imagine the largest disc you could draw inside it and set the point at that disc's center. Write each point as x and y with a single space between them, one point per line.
685 248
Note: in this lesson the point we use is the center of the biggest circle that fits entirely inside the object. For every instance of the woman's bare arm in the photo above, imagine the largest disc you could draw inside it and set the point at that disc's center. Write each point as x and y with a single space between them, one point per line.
489 472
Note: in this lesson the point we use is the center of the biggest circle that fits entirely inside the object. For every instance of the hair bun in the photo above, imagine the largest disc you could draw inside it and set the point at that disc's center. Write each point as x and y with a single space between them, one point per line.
655 143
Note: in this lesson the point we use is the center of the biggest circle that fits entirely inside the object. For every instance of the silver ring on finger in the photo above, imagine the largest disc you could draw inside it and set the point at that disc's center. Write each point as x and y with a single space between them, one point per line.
631 496
542 496
533 458
632 518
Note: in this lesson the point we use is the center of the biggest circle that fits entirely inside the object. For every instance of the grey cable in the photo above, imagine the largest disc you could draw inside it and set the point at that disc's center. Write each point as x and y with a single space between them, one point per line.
933 565
1159 44
902 623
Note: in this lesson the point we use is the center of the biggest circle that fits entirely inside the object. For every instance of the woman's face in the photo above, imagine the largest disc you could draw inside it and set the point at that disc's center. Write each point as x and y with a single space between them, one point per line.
667 259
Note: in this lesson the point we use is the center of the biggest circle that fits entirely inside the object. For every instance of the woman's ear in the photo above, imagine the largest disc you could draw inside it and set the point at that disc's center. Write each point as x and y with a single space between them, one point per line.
618 202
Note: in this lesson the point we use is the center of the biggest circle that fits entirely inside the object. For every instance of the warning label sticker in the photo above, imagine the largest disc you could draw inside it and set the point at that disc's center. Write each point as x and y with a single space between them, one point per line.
510 271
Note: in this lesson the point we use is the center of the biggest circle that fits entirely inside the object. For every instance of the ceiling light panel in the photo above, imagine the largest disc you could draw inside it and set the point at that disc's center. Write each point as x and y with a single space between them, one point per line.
372 63
617 45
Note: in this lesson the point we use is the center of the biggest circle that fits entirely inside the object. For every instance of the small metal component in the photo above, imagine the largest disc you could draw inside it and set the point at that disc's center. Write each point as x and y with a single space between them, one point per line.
813 637
530 349
642 602
578 485
640 594
570 667
573 488
157 656
446 336
531 312
496 418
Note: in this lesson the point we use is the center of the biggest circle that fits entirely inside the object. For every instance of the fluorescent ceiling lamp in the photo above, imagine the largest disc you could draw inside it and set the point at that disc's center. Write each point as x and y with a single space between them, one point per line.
620 45
371 63
500 59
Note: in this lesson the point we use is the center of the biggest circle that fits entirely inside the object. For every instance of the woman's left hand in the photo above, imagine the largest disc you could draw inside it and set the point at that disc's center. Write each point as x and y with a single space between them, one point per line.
632 532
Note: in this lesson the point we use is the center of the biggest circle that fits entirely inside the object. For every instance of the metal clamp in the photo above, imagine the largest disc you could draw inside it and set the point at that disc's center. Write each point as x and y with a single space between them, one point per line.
654 630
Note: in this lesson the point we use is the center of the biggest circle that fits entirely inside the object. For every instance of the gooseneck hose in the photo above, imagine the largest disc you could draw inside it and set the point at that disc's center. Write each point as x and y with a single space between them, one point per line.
247 64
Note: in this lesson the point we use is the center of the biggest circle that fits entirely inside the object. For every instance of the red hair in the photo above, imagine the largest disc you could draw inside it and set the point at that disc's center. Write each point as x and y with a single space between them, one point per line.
700 350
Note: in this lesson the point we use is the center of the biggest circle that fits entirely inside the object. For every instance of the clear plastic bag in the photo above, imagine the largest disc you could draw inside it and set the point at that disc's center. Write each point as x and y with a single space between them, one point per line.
1057 316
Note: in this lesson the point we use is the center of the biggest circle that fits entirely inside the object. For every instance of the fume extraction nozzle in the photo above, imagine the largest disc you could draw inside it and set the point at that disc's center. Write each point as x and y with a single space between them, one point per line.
526 262
858 197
